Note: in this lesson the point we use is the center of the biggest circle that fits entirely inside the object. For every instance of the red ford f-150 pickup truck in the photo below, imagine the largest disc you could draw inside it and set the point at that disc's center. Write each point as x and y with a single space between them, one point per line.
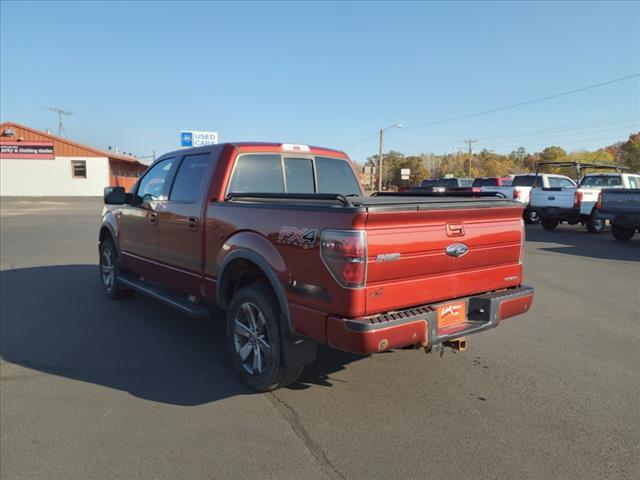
282 238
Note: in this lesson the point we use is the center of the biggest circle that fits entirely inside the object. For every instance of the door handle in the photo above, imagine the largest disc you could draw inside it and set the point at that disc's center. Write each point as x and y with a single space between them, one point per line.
192 224
153 218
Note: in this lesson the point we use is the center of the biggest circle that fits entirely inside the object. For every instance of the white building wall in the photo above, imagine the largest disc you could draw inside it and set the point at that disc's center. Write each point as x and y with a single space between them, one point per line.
36 177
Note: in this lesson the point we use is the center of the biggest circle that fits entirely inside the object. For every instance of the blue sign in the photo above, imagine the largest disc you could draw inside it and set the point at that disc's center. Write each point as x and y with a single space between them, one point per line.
186 139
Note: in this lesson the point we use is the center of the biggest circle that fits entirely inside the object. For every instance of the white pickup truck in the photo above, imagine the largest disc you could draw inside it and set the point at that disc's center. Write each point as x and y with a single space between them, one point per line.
579 205
522 185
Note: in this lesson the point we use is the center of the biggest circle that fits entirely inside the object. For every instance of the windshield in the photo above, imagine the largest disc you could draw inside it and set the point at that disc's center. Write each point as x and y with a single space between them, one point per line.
601 181
485 182
428 183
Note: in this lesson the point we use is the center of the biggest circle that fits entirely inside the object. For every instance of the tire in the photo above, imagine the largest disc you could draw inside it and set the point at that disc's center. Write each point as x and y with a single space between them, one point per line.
594 224
623 234
109 271
254 339
549 223
531 217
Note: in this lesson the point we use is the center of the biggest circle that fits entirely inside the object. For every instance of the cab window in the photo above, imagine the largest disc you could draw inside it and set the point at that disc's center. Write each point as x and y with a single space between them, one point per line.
153 185
190 178
258 173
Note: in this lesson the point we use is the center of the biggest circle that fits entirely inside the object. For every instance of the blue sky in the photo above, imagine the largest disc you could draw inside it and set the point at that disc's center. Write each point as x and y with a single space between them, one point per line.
330 74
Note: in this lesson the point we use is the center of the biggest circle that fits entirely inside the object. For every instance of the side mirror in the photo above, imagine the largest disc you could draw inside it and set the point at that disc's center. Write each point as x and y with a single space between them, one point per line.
114 196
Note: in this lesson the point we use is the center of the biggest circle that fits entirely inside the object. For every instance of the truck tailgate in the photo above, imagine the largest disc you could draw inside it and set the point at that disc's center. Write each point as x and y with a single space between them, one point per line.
408 263
553 197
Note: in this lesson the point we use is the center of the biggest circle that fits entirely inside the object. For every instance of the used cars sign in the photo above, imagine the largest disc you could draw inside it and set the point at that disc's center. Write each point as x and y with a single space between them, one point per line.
193 138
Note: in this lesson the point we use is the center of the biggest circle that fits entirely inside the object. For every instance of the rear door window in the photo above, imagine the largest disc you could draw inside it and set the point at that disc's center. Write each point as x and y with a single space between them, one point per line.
257 173
190 178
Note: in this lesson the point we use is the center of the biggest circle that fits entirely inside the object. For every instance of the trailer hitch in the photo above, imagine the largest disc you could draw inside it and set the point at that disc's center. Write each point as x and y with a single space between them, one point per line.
457 345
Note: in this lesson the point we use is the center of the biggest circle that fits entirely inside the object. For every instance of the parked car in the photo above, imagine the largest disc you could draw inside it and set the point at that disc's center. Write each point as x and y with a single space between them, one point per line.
556 204
622 208
522 185
446 184
487 182
282 238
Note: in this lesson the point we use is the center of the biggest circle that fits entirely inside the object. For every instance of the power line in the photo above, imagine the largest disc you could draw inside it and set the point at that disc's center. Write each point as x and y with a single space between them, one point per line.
362 141
567 127
608 139
521 104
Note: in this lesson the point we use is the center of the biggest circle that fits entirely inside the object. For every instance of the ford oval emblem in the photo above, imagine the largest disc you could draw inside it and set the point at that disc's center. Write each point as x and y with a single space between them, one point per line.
457 249
551 198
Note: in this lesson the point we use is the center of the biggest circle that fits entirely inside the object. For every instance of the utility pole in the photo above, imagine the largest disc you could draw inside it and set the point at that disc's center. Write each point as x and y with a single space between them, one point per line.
380 160
60 113
382 130
470 141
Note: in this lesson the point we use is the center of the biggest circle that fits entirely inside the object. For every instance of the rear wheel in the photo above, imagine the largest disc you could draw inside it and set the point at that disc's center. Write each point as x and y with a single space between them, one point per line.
594 224
549 223
255 341
531 217
624 234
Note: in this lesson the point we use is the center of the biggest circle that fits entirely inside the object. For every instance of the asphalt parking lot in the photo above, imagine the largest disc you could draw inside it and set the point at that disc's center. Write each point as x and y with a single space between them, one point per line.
120 390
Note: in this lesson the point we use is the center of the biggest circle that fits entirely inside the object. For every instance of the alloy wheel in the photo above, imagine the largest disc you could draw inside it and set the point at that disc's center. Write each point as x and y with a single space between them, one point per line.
251 338
107 269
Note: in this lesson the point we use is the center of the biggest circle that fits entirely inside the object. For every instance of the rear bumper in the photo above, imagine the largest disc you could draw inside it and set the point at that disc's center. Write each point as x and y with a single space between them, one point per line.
621 219
557 213
419 326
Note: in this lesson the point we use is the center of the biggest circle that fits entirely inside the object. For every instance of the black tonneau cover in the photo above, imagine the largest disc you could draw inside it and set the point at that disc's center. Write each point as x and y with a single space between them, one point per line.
404 201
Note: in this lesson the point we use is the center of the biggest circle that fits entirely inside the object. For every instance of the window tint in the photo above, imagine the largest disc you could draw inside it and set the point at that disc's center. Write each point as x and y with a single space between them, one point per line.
601 181
336 176
299 175
525 181
190 178
560 182
152 185
79 168
485 182
634 182
257 174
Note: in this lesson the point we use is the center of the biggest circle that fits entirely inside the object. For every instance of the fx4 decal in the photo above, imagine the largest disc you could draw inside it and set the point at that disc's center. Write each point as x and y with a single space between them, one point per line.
298 237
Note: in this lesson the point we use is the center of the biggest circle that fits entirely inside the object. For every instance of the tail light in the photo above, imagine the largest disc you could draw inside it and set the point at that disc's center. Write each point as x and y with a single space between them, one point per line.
516 194
577 200
524 231
599 201
344 253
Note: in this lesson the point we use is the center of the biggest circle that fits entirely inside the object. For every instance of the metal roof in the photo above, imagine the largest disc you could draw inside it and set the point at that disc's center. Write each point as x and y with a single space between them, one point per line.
62 147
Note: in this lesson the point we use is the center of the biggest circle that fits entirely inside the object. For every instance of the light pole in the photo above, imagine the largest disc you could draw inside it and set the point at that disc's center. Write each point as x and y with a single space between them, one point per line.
382 130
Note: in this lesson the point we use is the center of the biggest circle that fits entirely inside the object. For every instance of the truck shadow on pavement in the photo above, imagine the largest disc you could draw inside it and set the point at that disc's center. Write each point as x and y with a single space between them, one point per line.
583 244
56 320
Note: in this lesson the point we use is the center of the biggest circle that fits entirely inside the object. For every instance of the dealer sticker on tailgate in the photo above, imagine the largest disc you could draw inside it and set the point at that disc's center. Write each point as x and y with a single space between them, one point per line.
451 314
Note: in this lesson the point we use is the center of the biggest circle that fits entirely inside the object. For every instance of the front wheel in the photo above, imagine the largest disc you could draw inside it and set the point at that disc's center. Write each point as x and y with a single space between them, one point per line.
109 271
594 224
623 234
549 223
254 339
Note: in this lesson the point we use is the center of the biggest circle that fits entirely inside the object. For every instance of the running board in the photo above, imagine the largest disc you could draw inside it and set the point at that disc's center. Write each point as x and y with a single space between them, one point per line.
166 296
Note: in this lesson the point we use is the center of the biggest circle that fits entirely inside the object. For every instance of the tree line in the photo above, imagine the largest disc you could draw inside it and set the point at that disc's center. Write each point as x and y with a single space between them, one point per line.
491 164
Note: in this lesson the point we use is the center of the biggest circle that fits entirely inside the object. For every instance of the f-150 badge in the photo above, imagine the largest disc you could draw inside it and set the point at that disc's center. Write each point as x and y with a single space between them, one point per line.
298 237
